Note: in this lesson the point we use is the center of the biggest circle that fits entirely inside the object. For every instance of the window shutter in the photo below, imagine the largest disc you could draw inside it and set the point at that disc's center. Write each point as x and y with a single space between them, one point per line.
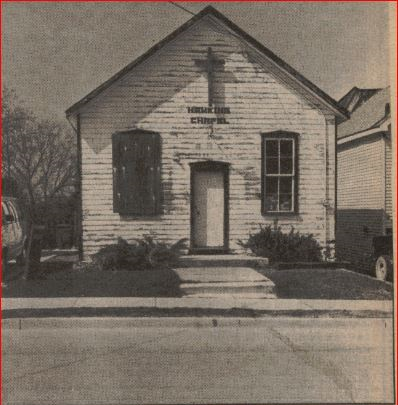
157 154
137 175
116 170
132 200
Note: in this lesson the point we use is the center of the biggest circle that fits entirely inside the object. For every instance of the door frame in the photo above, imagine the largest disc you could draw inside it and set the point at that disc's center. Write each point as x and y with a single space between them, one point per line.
215 166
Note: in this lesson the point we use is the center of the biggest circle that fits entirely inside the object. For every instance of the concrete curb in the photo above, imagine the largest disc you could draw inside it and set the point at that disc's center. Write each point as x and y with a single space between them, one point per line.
111 322
165 322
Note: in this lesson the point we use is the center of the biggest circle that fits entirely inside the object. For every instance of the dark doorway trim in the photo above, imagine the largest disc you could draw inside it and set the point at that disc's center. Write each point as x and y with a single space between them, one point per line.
217 167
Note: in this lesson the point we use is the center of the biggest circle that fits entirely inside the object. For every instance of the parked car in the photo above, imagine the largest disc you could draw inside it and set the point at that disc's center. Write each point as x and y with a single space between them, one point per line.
14 231
383 254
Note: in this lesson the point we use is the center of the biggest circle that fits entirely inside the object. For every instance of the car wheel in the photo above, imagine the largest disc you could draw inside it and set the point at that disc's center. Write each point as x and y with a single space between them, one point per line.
21 259
383 267
4 261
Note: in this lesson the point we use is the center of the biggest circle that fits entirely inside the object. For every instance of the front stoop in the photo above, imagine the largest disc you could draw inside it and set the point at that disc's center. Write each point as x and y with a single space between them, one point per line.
224 282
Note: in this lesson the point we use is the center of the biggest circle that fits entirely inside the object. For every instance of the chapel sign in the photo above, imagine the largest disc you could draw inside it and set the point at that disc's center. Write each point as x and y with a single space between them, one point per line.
209 110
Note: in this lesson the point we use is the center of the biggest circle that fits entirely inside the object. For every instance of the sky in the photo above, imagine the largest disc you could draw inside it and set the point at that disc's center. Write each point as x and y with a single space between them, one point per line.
54 53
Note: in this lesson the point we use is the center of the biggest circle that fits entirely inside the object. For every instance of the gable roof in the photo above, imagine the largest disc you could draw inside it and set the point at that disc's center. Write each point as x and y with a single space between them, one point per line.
356 97
209 10
370 114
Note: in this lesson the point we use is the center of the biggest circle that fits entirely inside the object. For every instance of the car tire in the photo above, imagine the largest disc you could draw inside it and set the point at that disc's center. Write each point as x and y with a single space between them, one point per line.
383 268
21 259
4 261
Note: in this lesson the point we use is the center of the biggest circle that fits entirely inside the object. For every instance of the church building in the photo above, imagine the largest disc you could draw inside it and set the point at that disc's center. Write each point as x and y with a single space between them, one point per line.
206 136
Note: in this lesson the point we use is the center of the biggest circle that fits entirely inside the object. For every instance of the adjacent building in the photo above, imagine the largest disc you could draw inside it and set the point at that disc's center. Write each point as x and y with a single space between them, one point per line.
364 187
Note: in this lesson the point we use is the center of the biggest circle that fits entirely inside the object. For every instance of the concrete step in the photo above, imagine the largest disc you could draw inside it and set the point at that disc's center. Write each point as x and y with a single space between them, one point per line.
215 274
228 296
224 281
228 287
223 260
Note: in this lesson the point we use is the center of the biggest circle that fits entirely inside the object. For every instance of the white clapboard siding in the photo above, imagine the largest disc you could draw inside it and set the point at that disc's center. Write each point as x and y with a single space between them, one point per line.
361 174
155 96
360 198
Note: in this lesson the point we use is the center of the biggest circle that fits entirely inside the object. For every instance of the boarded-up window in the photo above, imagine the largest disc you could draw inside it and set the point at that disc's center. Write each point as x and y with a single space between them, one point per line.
280 173
136 173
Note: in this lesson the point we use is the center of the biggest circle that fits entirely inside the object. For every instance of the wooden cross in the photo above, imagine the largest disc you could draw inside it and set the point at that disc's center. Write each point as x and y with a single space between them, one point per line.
209 66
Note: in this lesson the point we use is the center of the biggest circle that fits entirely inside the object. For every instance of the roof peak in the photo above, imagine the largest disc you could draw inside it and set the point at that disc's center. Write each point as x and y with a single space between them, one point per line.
210 10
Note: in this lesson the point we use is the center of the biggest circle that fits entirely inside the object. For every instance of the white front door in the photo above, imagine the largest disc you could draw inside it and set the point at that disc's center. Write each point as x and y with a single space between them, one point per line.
208 209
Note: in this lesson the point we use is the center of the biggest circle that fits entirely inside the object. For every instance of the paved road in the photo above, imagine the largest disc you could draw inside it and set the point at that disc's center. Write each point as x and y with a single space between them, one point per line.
274 360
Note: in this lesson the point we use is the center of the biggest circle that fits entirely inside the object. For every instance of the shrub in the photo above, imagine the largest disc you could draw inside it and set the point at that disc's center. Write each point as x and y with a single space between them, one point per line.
161 253
139 255
277 246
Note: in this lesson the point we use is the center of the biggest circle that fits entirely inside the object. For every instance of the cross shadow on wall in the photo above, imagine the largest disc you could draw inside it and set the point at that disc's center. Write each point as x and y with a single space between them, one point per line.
220 96
149 89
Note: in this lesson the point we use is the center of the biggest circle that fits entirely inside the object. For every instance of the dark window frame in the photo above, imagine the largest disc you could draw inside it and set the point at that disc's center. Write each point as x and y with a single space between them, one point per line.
278 135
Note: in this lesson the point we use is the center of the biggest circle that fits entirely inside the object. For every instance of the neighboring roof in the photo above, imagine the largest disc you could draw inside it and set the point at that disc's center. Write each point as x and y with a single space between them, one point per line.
209 10
370 114
356 97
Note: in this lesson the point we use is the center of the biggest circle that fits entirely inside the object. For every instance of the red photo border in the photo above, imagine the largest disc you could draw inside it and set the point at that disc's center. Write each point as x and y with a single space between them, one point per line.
394 128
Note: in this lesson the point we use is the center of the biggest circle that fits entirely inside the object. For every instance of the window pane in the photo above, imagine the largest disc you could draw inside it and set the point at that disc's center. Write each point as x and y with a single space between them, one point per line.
271 185
271 165
286 148
286 185
287 165
271 194
271 203
285 203
271 148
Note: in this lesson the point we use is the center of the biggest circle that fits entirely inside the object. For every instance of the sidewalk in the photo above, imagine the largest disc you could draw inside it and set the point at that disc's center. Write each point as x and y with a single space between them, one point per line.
9 304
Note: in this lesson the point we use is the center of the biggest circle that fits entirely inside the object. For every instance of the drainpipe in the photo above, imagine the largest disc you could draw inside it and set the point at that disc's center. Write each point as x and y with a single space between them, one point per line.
326 202
335 185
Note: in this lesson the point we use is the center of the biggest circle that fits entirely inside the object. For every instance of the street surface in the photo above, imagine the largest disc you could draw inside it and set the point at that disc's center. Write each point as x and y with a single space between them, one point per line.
274 360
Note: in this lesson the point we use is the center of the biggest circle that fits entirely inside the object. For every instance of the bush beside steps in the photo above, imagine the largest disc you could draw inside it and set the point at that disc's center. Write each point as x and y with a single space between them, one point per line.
278 247
141 254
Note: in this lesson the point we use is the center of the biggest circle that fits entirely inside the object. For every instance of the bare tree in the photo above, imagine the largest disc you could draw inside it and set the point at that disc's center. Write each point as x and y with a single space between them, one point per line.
40 155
